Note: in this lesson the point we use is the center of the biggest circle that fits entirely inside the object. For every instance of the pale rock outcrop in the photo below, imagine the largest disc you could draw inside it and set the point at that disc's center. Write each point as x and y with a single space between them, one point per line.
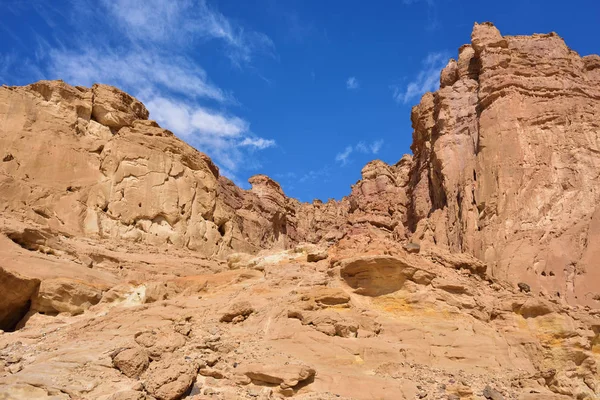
65 295
286 376
114 108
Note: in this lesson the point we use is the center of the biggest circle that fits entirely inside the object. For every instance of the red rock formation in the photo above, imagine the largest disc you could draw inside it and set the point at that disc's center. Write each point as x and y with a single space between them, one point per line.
433 275
506 155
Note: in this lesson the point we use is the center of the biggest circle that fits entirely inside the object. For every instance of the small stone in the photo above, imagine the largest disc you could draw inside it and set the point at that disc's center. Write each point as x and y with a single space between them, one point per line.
14 368
316 255
492 394
212 359
13 358
237 312
412 247
213 373
523 287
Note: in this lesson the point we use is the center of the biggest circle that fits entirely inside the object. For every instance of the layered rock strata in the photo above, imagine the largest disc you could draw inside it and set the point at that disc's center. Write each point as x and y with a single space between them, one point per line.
130 269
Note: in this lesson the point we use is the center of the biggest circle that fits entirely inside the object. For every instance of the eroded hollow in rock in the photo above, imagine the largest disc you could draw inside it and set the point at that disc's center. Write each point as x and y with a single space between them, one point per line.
375 276
29 239
15 300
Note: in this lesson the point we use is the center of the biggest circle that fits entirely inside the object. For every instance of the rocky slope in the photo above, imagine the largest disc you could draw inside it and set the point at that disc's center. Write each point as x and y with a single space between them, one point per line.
130 269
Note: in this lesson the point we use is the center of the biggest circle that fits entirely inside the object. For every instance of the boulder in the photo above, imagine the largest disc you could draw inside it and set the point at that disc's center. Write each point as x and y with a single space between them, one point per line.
131 362
65 295
170 378
287 376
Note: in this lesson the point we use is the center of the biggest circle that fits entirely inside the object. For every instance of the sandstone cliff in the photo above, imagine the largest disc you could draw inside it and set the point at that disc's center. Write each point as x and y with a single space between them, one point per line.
506 158
130 269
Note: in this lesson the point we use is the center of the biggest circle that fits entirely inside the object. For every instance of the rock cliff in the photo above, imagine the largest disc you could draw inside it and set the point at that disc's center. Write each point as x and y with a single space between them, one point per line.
506 157
130 269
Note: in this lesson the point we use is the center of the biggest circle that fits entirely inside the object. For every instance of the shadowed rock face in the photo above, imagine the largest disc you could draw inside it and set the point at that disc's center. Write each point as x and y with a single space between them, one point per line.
379 275
130 269
17 292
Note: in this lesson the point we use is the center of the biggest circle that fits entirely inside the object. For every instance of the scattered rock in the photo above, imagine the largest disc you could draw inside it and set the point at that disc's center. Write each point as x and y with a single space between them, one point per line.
128 395
65 295
287 376
412 247
492 394
316 255
523 287
237 312
158 343
170 378
131 362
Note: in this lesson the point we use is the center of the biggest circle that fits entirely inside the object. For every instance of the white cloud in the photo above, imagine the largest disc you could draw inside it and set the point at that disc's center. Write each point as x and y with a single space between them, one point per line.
352 83
209 122
134 70
155 59
362 147
313 175
220 135
428 79
343 156
376 146
184 22
258 143
369 148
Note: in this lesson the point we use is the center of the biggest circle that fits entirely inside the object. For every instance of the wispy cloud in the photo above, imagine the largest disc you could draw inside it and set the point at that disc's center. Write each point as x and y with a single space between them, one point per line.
315 174
257 143
135 70
6 63
186 22
224 136
343 156
427 80
352 83
149 48
369 148
361 147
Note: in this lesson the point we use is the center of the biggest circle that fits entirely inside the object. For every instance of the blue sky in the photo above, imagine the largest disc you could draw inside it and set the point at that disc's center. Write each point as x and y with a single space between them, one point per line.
306 92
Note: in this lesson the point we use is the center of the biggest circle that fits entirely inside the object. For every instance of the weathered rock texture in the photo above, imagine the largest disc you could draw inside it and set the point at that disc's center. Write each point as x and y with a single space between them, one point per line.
506 161
130 269
89 162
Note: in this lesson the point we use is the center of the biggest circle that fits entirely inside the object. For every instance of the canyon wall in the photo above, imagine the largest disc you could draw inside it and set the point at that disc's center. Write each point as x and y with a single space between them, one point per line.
507 161
505 167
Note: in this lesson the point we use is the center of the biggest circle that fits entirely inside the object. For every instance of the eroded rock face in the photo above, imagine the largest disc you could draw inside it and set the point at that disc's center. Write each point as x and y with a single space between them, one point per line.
16 297
474 258
505 158
88 161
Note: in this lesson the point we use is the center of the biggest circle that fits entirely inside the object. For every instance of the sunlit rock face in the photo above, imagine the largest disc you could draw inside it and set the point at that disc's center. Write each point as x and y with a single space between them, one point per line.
131 269
506 155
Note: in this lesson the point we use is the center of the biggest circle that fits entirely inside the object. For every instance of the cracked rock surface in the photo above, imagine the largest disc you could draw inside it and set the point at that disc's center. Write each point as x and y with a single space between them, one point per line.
130 269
